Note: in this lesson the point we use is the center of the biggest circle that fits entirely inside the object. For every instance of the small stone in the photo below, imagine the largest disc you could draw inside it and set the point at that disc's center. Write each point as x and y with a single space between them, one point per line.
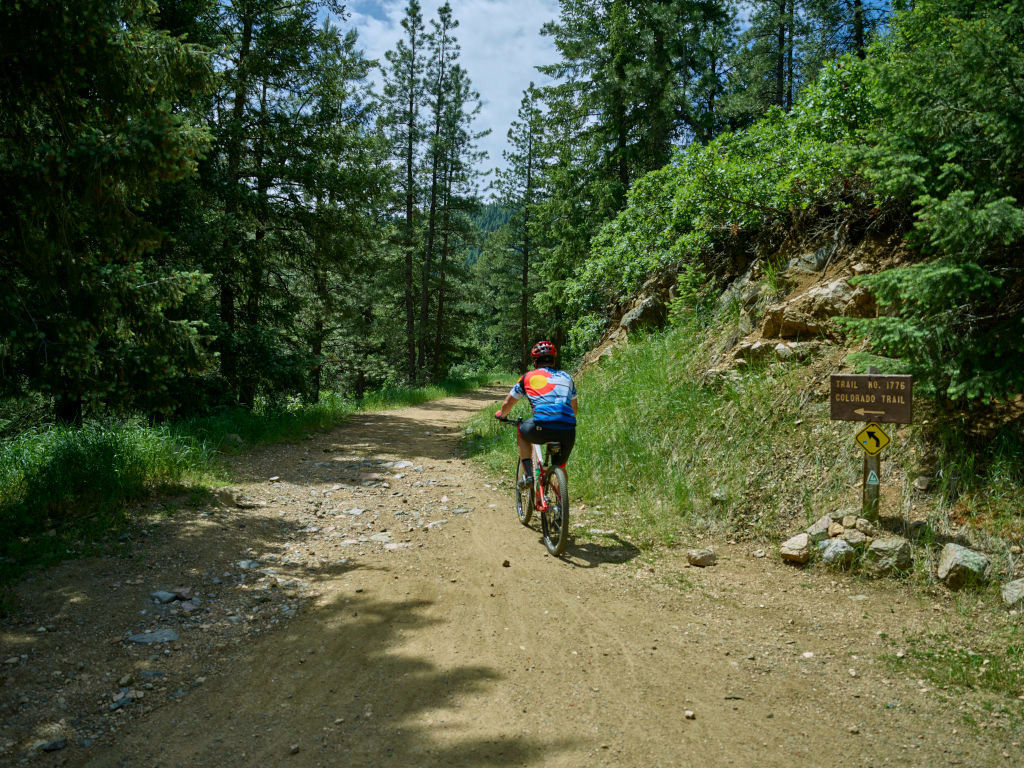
506 564
12 660
849 521
402 464
1013 593
54 745
719 495
1015 549
853 729
125 681
462 510
960 566
796 549
853 673
854 538
820 528
759 553
866 527
922 483
836 529
162 596
156 636
888 555
182 593
701 557
275 478
783 351
689 714
838 553
294 749
248 565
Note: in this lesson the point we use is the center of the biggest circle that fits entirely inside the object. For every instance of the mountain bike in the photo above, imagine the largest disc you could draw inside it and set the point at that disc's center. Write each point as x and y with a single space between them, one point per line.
547 492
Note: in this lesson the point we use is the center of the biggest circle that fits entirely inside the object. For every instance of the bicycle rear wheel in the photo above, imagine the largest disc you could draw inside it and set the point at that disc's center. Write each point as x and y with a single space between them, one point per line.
524 496
555 521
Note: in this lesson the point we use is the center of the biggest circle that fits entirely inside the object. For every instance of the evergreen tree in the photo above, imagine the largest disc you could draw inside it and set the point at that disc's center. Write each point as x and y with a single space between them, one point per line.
403 97
519 192
89 136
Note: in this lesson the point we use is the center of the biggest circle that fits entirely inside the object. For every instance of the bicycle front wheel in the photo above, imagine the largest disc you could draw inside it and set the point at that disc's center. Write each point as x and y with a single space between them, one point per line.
524 496
555 521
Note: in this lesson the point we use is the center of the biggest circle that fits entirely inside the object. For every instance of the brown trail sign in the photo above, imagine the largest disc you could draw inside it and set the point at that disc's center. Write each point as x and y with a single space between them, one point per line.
871 397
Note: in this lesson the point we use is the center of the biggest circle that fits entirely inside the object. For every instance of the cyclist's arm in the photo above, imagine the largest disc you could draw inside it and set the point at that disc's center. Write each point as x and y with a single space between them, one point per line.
507 406
575 406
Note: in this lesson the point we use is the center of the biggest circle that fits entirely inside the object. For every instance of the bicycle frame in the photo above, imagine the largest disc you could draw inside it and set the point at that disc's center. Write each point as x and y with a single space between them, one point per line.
541 464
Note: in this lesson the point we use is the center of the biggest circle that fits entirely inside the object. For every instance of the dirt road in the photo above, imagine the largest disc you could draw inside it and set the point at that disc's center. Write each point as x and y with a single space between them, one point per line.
362 614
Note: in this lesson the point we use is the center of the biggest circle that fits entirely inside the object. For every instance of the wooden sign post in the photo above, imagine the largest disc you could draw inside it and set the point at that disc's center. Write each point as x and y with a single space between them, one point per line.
874 398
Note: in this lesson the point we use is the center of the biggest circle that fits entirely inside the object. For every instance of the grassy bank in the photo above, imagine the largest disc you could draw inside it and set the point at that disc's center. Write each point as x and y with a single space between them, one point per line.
63 489
668 452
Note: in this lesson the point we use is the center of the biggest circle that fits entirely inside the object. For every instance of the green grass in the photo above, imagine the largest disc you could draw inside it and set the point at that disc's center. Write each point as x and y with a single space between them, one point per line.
62 490
672 450
993 663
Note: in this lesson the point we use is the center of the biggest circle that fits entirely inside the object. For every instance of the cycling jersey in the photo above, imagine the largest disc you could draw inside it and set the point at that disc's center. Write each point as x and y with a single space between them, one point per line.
550 393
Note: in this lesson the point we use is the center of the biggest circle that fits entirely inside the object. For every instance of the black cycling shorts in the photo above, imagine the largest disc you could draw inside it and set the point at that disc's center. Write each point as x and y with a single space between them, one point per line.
539 433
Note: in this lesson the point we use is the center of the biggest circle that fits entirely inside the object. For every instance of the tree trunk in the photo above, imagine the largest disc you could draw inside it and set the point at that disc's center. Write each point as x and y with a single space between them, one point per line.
410 239
226 344
789 58
428 258
446 227
317 349
858 28
780 58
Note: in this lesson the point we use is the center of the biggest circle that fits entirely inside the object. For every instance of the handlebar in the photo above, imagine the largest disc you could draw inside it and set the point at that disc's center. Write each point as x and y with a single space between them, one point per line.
507 420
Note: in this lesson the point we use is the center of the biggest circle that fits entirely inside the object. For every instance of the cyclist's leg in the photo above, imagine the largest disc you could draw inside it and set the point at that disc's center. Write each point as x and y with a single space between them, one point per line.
524 452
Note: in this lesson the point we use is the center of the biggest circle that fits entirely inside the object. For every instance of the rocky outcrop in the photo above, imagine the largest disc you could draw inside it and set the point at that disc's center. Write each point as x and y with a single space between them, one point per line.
810 314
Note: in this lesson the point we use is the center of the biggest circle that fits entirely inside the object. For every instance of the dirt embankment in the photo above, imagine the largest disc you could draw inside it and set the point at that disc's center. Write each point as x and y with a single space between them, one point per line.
360 612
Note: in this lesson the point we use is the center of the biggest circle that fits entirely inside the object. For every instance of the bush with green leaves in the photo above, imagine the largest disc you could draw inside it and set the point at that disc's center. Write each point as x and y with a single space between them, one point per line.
731 196
949 143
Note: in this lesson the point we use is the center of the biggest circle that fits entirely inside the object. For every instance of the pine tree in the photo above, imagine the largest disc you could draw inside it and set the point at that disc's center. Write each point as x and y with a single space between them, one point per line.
89 137
403 96
519 192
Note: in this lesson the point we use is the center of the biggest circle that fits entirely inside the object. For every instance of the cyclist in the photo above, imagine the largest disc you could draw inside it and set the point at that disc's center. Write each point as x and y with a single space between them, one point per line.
552 396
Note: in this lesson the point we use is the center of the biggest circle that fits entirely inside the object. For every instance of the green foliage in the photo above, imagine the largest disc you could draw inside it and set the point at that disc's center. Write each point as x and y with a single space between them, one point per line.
949 142
89 136
732 195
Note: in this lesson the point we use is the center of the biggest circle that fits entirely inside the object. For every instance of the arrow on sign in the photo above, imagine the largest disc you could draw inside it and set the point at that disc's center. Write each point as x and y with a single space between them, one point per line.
864 412
874 437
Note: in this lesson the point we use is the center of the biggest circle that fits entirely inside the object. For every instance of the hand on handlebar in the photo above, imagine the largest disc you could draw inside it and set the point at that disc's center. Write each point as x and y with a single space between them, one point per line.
497 415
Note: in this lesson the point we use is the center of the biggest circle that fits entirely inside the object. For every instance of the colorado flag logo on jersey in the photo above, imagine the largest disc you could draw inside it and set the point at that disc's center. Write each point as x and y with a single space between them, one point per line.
550 392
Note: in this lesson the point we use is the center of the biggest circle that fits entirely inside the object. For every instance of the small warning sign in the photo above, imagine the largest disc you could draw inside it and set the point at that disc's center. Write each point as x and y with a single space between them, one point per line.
873 440
872 478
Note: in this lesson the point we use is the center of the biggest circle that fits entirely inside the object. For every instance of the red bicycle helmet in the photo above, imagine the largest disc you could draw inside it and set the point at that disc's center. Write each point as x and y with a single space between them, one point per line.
543 349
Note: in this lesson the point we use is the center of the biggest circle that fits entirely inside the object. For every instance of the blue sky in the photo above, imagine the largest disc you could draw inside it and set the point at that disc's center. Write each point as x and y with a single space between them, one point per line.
501 44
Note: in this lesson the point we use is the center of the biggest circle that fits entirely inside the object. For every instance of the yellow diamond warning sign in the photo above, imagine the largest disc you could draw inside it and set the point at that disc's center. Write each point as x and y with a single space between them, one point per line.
872 439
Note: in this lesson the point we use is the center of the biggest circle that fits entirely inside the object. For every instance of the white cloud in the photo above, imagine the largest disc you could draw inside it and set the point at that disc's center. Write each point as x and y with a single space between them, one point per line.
501 46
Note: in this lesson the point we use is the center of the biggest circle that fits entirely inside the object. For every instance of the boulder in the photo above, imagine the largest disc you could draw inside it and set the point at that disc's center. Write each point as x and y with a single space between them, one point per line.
819 528
812 261
1013 593
648 312
836 529
888 555
960 566
701 558
796 549
838 554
